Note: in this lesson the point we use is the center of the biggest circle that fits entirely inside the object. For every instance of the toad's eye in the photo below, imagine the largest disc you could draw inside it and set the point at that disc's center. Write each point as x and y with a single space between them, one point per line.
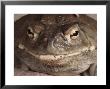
72 32
30 32
34 31
75 34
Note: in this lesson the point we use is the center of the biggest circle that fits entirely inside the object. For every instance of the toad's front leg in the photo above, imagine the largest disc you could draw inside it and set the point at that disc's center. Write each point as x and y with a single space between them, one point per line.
91 71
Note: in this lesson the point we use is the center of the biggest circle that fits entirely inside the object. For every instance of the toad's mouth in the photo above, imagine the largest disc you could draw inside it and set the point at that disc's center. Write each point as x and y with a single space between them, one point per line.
50 57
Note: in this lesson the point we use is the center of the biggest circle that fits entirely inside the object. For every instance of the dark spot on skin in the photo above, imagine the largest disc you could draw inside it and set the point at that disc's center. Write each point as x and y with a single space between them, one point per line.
55 56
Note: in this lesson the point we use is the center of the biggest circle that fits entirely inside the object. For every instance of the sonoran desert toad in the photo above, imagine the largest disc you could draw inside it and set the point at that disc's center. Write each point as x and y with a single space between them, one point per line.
56 44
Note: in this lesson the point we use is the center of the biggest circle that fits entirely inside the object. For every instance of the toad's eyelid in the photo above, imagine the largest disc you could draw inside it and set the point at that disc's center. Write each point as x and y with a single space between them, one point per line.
73 28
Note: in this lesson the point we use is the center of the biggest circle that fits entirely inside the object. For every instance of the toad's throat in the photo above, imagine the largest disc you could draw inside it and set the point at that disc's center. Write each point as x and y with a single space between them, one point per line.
50 57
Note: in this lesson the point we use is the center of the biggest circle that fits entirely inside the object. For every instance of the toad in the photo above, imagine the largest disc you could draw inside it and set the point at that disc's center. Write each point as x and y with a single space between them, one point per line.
56 44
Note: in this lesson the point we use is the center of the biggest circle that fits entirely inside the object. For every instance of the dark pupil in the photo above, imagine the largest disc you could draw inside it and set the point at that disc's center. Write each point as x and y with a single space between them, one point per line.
75 34
29 32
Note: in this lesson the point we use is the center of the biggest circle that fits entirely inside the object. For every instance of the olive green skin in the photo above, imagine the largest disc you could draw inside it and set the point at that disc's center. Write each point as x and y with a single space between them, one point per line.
52 29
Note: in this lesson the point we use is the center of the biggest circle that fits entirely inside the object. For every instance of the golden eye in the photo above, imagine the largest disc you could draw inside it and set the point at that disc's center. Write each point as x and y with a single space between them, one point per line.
72 32
30 32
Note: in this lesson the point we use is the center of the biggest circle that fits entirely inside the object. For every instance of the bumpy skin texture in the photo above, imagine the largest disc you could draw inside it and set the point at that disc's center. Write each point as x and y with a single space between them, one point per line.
56 44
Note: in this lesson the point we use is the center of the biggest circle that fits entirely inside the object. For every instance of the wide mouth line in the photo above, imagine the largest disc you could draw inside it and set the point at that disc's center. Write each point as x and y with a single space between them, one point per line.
51 57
